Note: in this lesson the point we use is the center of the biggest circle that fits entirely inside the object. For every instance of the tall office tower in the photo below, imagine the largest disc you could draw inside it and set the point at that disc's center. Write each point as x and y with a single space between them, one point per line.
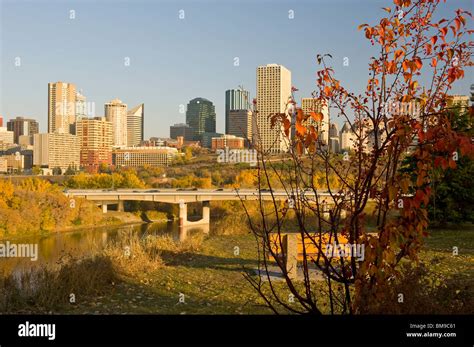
1 121
22 126
135 125
56 150
116 113
61 107
348 137
201 116
240 124
472 96
273 93
95 139
183 130
309 105
235 99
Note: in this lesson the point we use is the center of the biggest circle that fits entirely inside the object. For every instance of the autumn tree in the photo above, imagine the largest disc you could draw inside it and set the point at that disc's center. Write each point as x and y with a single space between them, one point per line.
402 112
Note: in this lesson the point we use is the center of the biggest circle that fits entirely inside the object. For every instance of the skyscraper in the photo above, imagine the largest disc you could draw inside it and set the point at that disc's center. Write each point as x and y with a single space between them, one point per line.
22 126
235 99
1 121
135 125
240 124
95 138
201 116
61 107
309 105
273 92
81 107
116 113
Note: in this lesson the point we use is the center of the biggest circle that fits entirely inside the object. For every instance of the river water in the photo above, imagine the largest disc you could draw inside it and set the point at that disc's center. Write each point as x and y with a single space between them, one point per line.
53 248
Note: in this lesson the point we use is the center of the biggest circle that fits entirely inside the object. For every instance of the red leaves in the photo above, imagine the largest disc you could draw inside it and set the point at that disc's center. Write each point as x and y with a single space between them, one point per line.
434 39
434 62
457 22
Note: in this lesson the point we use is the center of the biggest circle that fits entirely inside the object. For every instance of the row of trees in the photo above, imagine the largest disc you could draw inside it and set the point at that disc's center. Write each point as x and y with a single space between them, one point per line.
35 206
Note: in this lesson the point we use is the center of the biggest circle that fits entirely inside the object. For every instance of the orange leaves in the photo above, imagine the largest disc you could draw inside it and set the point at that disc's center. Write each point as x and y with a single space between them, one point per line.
412 65
362 26
413 85
391 66
457 22
434 62
418 63
444 32
398 54
427 48
328 91
388 9
300 128
406 65
434 39
317 116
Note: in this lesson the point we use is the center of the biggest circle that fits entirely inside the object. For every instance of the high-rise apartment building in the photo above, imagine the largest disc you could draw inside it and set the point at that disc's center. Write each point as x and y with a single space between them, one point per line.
61 107
56 150
240 124
116 113
309 105
22 126
135 125
235 99
273 93
201 116
95 139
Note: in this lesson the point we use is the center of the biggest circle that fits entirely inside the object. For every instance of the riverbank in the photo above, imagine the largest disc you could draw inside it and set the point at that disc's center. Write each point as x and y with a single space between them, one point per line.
205 275
111 219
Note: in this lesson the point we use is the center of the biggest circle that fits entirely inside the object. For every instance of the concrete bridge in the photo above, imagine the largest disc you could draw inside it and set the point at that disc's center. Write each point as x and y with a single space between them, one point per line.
105 197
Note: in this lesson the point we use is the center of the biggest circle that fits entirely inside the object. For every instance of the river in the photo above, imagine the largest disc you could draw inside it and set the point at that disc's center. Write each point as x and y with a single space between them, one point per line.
52 248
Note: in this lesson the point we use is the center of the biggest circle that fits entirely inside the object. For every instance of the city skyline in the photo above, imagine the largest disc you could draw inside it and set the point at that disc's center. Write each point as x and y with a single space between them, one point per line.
163 54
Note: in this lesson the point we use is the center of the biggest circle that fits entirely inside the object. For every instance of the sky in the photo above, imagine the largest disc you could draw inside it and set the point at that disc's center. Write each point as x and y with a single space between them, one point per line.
173 60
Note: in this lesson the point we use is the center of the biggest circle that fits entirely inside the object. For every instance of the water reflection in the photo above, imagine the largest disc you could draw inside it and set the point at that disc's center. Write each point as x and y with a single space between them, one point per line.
52 249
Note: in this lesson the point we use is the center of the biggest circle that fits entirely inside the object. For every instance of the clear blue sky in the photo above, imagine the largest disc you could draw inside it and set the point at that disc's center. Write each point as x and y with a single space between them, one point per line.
171 60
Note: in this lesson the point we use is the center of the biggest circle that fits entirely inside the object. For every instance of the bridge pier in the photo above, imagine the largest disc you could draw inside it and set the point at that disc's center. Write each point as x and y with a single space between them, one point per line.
183 214
104 208
120 207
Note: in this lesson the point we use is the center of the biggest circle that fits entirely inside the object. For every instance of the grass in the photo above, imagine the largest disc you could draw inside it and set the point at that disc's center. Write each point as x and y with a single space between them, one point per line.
208 272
